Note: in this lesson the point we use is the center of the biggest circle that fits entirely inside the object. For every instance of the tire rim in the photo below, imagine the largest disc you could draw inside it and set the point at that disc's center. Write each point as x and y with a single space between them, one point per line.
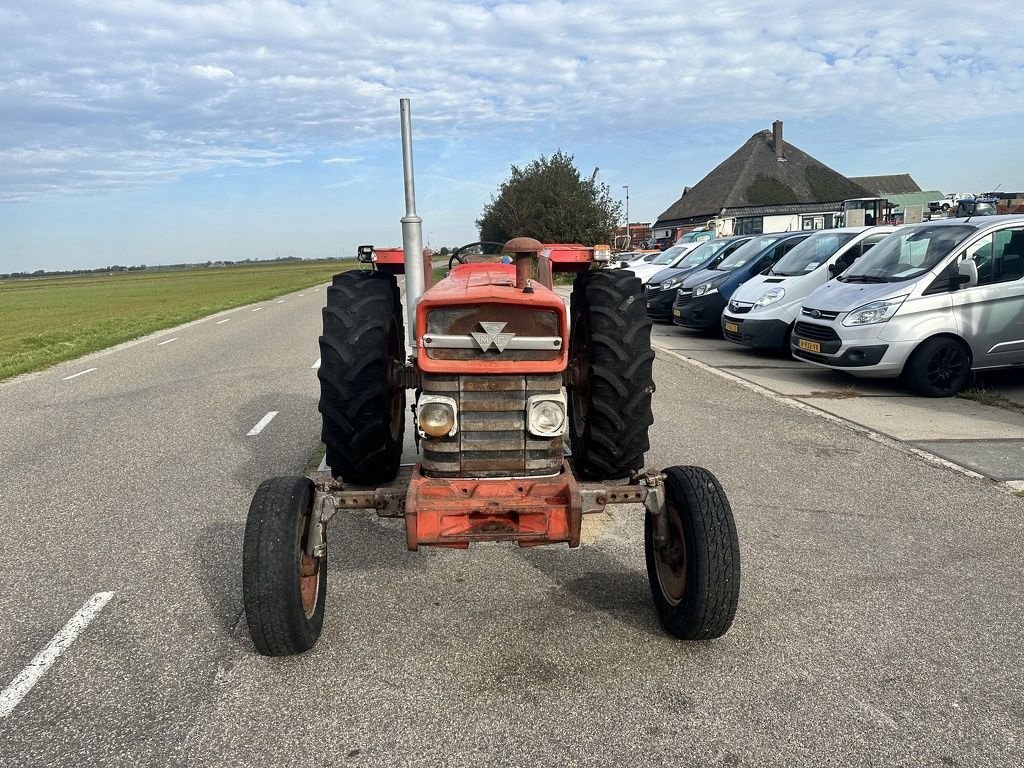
672 577
945 368
309 574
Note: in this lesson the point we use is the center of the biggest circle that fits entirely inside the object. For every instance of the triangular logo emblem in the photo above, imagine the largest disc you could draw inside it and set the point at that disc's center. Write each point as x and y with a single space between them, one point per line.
492 335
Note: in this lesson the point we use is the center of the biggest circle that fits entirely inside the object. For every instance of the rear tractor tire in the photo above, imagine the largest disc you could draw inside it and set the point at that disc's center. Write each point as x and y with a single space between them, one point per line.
284 591
610 397
695 573
363 406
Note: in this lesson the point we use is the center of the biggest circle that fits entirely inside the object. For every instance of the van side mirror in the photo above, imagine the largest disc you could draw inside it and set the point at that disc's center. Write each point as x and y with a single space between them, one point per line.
967 273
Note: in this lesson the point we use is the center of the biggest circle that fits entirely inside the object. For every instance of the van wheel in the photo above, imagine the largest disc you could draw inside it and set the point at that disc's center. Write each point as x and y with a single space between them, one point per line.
938 368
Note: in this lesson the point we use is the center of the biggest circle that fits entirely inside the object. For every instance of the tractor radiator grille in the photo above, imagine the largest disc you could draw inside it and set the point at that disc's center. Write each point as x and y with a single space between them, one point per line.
492 440
492 332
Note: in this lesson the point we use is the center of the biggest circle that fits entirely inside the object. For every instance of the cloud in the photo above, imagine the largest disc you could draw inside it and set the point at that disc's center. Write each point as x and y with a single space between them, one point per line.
101 95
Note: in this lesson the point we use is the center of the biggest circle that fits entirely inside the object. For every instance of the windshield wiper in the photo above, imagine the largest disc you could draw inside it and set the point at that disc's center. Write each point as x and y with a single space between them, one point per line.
862 279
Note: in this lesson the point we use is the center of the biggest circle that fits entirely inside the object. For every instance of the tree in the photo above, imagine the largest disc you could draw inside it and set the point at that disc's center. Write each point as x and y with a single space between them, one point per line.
548 200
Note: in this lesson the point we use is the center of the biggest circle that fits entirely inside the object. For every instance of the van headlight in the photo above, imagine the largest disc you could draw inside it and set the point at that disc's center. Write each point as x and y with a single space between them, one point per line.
672 282
437 416
770 298
704 289
875 312
545 415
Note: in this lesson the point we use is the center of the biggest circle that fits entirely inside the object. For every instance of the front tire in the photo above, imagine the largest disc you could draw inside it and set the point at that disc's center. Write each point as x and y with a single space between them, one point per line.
363 408
695 575
939 367
284 591
610 348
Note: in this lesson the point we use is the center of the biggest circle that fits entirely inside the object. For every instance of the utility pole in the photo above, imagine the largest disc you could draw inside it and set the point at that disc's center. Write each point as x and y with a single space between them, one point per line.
629 239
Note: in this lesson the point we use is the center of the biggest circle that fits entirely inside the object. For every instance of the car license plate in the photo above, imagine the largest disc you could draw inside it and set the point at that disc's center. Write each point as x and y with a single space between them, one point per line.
732 328
810 346
677 312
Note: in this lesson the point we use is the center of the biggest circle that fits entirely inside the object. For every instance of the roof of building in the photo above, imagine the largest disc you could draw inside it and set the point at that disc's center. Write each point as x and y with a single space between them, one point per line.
893 184
754 177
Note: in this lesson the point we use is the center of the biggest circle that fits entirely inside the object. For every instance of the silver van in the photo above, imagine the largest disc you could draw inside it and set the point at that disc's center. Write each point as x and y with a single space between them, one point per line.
930 302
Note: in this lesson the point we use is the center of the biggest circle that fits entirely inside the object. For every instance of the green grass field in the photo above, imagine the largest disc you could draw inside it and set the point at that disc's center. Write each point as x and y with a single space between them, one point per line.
48 320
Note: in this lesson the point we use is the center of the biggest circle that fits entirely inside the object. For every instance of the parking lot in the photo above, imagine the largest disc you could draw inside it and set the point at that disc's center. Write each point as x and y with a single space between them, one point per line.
987 439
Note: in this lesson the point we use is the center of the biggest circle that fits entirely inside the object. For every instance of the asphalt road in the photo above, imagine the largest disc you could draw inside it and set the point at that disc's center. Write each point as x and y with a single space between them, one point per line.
879 622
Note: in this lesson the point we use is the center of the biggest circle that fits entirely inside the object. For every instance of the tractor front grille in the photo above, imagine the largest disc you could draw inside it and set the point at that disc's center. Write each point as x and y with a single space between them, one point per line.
491 440
489 332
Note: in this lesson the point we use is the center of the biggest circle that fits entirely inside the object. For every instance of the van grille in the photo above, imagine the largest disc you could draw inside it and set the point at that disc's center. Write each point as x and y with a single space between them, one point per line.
816 332
492 440
821 313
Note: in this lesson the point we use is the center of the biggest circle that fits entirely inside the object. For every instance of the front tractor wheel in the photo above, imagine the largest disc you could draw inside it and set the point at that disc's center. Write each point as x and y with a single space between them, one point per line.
283 589
694 569
361 397
612 378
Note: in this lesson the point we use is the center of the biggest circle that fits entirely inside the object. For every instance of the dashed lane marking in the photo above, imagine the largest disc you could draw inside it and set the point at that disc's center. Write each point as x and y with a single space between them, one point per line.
225 320
80 373
24 682
257 309
160 344
261 424
315 365
279 301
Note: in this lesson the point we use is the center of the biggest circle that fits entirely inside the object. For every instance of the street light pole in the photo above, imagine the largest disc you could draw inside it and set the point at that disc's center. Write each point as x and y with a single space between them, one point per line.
629 239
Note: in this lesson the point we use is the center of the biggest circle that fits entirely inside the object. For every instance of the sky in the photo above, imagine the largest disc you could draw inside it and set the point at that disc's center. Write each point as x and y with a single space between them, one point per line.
153 132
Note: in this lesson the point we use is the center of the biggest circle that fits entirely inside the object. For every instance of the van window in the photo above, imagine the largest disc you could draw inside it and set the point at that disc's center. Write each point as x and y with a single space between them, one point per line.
907 254
811 253
747 251
1007 256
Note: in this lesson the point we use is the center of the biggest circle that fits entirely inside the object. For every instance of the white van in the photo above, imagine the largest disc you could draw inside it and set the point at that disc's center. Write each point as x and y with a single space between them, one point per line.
931 302
762 311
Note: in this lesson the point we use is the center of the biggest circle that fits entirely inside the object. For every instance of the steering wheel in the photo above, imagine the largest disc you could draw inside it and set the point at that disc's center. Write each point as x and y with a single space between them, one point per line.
457 253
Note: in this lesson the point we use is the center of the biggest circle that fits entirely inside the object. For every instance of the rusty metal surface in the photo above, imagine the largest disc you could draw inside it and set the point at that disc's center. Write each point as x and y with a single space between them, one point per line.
492 440
596 496
387 500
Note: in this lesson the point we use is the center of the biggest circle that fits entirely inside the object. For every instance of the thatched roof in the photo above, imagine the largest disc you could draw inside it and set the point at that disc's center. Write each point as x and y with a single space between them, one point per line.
894 184
754 177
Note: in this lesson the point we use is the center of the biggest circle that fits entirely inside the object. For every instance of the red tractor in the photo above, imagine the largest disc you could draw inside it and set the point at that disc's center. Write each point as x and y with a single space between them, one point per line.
528 416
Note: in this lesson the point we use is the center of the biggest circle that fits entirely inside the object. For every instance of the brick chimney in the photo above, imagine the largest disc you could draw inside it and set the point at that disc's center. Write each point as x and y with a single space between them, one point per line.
780 153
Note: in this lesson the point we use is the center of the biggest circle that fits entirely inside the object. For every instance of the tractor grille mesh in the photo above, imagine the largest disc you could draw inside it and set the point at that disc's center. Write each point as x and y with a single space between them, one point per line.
492 440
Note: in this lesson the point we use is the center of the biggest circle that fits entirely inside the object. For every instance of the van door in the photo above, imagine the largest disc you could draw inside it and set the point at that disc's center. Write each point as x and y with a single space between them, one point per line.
990 315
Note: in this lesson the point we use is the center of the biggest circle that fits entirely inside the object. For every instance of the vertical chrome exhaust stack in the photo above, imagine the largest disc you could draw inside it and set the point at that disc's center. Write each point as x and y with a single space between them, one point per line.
412 228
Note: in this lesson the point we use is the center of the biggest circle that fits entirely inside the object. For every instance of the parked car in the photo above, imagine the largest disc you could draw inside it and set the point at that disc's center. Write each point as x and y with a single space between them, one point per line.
931 302
975 206
703 295
948 202
762 311
660 291
631 259
668 258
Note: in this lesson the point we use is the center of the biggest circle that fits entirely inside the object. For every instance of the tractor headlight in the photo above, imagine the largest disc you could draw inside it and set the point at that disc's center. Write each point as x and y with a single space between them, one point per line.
602 253
545 415
436 416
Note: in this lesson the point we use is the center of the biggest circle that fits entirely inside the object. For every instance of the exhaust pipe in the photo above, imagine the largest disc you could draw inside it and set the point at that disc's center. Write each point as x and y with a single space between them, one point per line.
412 228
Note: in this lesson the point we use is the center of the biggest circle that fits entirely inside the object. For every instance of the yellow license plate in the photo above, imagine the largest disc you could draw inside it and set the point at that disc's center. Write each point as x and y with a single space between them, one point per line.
810 346
677 312
732 328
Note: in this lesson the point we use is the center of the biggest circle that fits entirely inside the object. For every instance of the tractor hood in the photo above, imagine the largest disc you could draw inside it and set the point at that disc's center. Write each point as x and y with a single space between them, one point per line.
476 321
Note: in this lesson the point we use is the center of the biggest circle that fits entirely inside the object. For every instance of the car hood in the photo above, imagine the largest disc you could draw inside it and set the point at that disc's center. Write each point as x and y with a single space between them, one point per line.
705 276
835 296
667 274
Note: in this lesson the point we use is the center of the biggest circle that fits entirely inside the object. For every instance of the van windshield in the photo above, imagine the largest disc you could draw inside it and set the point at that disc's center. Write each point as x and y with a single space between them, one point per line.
811 253
907 254
747 251
671 254
696 236
701 253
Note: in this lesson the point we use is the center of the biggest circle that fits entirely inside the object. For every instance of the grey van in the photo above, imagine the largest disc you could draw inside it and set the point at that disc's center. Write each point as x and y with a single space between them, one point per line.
930 302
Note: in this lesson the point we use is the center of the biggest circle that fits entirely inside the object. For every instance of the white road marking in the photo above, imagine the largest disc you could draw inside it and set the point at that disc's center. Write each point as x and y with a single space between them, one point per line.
225 320
315 290
257 309
323 464
316 364
23 683
281 301
262 423
301 295
160 344
80 373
